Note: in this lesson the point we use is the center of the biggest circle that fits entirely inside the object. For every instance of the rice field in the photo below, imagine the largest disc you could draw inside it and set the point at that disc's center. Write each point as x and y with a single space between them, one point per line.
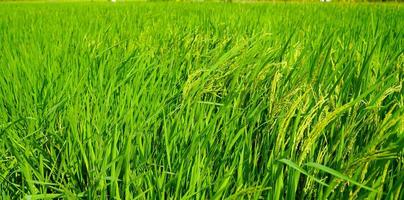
201 101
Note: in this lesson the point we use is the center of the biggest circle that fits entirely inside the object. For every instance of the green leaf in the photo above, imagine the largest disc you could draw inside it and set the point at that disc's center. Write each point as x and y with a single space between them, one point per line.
301 170
42 196
338 175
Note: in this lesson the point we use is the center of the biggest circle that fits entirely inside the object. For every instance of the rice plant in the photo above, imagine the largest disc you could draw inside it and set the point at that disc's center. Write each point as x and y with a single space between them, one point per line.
201 101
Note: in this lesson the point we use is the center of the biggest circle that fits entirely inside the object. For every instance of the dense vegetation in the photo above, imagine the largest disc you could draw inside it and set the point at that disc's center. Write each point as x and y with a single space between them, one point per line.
201 101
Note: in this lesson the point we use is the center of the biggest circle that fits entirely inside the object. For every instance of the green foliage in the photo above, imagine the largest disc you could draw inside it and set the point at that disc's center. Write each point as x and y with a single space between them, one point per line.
201 101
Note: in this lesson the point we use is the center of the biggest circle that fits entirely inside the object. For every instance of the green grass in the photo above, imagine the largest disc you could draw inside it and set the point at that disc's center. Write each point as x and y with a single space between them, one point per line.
201 101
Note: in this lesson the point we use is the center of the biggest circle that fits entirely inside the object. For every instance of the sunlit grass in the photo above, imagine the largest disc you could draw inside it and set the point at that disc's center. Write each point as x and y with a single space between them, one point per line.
201 101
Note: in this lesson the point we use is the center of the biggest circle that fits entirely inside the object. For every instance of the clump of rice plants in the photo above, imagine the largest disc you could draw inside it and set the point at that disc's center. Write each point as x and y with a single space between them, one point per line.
201 101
